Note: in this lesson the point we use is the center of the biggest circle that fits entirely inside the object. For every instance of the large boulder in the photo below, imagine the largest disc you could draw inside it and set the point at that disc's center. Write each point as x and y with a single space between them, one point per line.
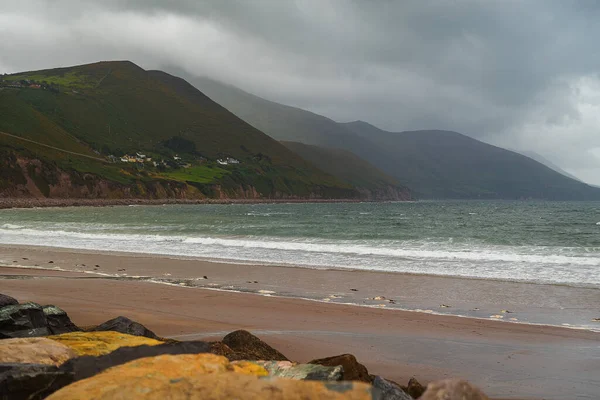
23 320
58 321
125 325
203 376
353 370
99 343
452 389
31 381
249 347
7 300
389 390
34 351
414 388
87 366
308 372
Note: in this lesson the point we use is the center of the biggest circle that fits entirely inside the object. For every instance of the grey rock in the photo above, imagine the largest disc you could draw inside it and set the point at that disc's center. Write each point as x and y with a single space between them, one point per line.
125 325
388 390
307 372
23 320
58 321
453 389
7 300
31 381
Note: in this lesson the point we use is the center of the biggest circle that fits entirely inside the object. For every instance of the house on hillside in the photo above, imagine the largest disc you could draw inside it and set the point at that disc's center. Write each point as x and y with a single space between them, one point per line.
176 157
221 161
232 161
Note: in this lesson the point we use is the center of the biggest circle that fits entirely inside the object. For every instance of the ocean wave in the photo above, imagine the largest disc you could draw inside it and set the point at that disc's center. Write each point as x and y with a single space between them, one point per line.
11 226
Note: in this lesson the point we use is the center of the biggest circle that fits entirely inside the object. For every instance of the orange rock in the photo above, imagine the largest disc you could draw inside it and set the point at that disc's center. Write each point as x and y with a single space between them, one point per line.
202 376
100 343
37 350
452 389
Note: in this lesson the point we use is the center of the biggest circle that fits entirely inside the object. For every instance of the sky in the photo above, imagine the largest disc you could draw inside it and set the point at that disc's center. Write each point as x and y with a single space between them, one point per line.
523 75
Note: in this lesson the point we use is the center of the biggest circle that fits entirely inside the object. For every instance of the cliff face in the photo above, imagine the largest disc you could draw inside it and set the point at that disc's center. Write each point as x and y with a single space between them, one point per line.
387 193
22 177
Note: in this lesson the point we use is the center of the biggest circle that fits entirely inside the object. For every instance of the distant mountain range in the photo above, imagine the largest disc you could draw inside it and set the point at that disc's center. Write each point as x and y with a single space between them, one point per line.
434 164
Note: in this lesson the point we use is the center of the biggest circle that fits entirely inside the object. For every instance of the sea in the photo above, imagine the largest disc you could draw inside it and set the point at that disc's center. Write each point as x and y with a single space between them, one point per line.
540 243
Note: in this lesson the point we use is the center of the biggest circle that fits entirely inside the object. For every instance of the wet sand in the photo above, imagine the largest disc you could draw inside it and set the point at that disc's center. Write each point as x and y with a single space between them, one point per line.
507 360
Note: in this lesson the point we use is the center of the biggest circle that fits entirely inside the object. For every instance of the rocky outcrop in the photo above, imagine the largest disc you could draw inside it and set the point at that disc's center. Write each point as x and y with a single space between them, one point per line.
100 343
308 372
246 346
203 376
58 321
30 381
452 389
353 370
7 300
125 325
34 351
389 390
23 320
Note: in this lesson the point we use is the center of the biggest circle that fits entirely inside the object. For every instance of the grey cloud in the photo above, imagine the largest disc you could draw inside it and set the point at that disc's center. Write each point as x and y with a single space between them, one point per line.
521 74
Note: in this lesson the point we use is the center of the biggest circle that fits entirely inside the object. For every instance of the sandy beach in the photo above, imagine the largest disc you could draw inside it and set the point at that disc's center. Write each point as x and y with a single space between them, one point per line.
508 360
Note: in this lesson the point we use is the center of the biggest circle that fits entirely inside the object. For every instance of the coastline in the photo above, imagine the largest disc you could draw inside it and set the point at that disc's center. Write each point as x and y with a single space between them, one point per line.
506 360
23 202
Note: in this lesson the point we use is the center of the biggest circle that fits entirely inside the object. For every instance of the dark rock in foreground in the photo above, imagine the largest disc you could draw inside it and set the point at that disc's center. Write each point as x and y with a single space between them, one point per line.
7 300
415 389
249 347
452 389
23 320
353 370
389 390
125 325
86 366
31 381
58 321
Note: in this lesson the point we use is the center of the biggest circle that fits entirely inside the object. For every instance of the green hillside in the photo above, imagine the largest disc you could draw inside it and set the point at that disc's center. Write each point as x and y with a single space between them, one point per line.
350 168
433 164
117 108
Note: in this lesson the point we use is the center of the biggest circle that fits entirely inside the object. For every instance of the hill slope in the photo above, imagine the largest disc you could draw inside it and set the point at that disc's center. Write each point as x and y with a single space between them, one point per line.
444 164
114 108
374 183
434 164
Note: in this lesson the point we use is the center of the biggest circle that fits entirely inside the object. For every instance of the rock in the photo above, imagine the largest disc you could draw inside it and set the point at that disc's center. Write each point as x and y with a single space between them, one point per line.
99 343
206 377
58 321
125 325
353 370
22 320
389 390
34 351
308 372
31 381
7 300
249 347
414 388
87 366
452 389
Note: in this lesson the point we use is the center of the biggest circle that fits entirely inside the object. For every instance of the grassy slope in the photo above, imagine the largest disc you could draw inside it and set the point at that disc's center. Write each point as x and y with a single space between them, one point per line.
117 107
434 164
344 164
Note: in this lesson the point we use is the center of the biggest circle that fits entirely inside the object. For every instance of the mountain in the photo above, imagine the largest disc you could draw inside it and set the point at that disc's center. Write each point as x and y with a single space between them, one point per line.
445 164
543 160
372 182
432 163
64 131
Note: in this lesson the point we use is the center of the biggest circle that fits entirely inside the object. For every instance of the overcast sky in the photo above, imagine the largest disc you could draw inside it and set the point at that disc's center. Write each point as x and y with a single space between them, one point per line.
520 74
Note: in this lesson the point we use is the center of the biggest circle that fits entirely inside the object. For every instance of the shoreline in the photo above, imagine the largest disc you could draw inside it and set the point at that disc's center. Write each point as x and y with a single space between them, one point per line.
505 360
353 287
23 203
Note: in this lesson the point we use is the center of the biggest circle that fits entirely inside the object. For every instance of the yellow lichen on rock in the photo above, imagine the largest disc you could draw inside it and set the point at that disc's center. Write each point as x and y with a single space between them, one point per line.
249 368
201 376
36 350
100 343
